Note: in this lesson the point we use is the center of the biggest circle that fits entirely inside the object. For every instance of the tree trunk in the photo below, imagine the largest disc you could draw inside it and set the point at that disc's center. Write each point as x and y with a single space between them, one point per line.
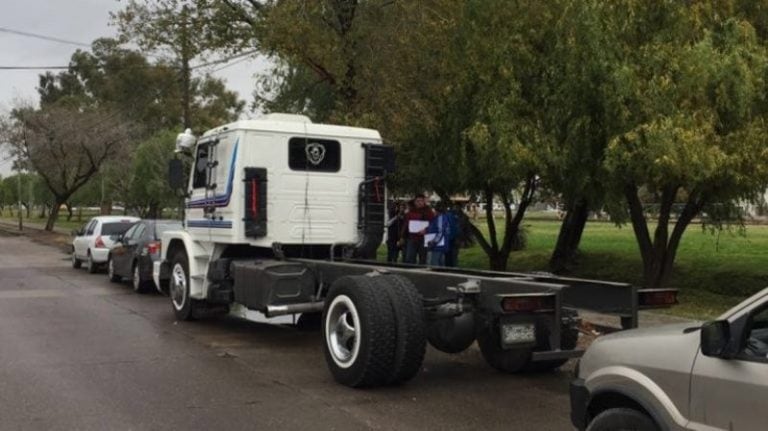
570 235
498 261
54 214
42 211
69 211
27 208
186 98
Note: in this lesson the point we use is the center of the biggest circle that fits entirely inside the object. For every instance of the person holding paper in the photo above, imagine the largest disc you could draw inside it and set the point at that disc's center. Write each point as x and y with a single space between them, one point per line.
415 226
438 236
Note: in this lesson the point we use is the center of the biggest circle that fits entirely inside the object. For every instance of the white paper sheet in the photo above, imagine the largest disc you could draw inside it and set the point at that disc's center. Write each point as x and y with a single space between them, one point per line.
416 226
431 237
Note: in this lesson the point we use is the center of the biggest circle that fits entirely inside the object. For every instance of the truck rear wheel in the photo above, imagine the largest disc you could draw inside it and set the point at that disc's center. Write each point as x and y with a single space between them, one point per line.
359 332
184 306
410 335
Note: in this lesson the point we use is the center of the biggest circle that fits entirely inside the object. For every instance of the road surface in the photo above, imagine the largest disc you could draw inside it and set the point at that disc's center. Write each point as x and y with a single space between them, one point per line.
79 352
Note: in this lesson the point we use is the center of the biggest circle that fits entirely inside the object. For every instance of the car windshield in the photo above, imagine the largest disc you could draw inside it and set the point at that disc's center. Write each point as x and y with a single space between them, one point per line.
162 227
115 228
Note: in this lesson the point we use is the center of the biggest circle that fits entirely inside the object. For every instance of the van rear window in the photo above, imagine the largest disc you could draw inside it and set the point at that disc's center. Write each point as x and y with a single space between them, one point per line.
115 228
309 154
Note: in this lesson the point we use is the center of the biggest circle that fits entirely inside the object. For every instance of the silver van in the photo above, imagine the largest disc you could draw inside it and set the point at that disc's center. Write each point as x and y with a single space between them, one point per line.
680 377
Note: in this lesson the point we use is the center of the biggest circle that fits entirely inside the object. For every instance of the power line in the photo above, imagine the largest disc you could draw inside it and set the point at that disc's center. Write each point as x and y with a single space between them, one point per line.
43 37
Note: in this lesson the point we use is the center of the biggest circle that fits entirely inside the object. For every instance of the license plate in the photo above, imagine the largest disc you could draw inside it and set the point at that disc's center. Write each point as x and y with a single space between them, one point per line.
517 333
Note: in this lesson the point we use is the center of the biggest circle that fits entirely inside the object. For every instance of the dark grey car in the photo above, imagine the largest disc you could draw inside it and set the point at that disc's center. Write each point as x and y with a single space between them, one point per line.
135 250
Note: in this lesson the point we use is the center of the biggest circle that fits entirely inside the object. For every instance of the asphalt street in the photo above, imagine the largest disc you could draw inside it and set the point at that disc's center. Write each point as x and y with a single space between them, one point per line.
80 353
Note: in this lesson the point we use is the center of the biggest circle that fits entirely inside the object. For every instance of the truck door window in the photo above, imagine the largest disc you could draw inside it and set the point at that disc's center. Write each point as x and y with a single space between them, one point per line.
310 154
200 175
756 346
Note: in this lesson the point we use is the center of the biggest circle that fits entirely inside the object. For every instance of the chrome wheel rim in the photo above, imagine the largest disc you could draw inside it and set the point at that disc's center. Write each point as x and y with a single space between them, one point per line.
178 286
342 331
136 278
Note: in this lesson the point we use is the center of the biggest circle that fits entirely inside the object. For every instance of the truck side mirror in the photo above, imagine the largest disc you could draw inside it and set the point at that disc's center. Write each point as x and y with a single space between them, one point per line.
715 337
176 174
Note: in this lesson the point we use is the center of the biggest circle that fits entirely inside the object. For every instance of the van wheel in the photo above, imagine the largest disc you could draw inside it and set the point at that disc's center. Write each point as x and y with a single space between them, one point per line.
622 419
410 335
184 307
113 277
506 361
91 265
139 285
359 333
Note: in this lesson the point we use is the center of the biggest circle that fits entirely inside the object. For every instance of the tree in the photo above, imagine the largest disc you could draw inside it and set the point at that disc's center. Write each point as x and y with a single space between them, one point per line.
686 110
149 189
66 147
172 25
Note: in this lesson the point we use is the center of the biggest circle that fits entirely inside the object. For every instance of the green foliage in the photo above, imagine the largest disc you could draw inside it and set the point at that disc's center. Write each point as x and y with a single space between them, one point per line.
149 190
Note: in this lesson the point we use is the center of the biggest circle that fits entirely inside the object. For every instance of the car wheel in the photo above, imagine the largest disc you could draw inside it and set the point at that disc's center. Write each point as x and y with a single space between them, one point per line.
139 285
113 277
359 333
76 263
622 419
184 306
91 265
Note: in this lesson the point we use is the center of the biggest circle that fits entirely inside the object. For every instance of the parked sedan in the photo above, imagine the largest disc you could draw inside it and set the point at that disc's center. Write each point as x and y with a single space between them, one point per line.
135 250
93 240
680 377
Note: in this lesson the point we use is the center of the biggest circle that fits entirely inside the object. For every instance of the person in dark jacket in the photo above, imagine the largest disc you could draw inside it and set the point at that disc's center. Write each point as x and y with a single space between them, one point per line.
394 227
414 239
456 220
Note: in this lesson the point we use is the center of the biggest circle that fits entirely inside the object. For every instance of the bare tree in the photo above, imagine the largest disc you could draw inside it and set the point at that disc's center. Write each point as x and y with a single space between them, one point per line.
67 146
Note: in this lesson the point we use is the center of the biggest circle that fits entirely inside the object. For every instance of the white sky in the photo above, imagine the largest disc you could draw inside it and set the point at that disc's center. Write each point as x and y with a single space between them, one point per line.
79 21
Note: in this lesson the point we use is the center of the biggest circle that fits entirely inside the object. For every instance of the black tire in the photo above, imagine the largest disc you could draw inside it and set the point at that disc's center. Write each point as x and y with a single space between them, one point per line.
139 285
76 263
184 307
507 361
91 266
453 335
410 336
622 419
365 360
113 277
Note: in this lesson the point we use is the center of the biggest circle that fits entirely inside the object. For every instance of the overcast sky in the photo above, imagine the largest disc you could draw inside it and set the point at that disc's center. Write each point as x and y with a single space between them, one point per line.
74 20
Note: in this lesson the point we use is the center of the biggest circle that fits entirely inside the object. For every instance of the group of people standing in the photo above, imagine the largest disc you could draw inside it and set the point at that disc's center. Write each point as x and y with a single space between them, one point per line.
416 231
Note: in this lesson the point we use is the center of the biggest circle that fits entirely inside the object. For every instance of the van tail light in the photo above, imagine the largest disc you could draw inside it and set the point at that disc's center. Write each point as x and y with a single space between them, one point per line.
99 242
528 303
657 298
154 247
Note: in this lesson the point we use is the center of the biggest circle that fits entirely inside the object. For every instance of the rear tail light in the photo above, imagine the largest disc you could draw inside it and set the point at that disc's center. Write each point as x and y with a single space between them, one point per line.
650 298
528 303
99 242
154 247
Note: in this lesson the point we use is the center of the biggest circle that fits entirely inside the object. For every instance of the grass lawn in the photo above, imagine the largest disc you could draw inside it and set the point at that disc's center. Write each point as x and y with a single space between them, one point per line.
61 223
713 272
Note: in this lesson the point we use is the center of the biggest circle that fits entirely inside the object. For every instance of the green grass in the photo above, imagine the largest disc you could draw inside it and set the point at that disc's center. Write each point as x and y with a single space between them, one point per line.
712 271
60 223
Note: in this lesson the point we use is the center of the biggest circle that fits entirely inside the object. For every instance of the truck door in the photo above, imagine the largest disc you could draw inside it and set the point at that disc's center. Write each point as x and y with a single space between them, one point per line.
731 394
224 157
197 206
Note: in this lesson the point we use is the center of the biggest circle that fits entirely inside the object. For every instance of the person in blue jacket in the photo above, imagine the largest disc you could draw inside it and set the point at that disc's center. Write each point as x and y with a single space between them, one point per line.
440 245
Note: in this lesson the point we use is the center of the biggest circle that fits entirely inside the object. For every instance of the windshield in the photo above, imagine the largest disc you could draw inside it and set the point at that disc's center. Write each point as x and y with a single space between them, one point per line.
115 228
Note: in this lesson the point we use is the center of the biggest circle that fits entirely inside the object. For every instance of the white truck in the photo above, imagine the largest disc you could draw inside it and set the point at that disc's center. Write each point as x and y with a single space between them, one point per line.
284 216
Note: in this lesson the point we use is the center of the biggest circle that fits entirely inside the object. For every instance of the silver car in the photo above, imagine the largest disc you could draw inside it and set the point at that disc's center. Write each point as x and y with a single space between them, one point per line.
680 377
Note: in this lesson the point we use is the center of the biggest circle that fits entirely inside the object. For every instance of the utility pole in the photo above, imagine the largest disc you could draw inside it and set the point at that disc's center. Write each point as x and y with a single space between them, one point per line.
18 172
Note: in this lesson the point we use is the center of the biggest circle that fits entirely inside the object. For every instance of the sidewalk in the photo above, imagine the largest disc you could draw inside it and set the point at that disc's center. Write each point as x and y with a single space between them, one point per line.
14 227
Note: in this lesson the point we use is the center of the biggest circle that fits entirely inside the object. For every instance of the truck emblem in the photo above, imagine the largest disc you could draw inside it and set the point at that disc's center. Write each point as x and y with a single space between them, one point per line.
315 153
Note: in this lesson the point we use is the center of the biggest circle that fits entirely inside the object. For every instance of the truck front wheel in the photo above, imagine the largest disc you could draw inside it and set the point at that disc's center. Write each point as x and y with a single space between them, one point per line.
359 331
183 304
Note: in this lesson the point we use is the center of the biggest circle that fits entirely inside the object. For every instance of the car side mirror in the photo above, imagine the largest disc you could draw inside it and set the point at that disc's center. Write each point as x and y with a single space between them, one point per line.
176 174
715 337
